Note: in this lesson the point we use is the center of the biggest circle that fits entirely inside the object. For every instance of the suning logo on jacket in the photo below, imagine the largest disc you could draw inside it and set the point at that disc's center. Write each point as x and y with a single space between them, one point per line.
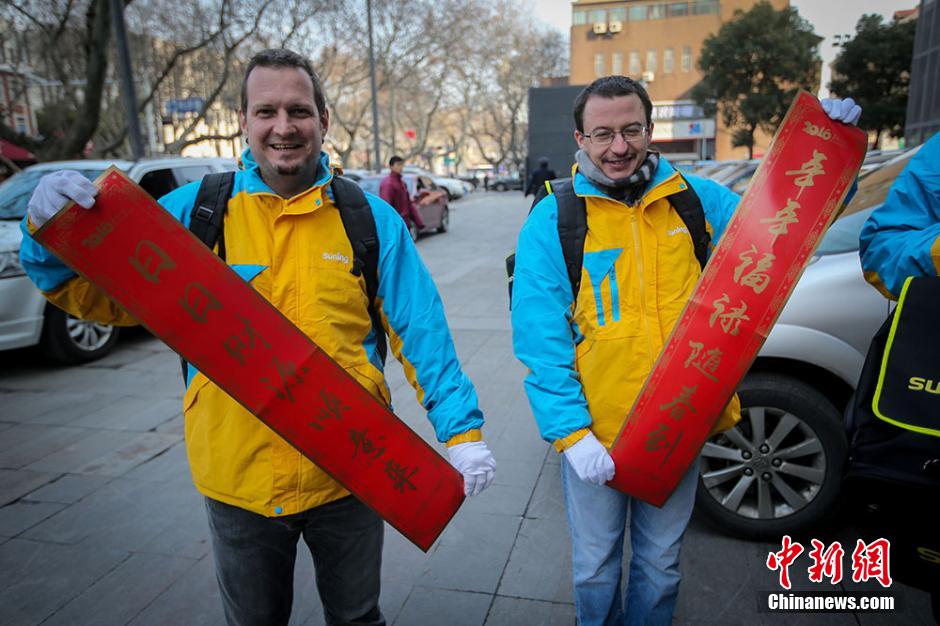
336 256
676 231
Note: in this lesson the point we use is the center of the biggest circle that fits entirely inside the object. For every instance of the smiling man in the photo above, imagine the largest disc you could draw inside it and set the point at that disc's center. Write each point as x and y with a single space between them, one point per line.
286 233
603 269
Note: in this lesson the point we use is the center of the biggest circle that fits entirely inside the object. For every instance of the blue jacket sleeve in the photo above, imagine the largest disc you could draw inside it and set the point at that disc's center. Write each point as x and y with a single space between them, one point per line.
902 237
413 313
543 337
718 202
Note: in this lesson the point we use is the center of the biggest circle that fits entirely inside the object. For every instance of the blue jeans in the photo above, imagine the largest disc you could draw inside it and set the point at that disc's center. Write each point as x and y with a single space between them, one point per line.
254 561
597 517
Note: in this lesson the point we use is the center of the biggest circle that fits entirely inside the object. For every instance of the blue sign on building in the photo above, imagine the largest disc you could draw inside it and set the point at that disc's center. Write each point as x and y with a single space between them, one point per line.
184 105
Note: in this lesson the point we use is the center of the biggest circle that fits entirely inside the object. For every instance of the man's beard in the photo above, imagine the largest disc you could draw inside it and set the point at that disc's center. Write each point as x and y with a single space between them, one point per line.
287 170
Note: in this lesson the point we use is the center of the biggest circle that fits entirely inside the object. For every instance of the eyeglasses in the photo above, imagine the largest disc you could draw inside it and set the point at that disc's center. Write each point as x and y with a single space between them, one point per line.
630 134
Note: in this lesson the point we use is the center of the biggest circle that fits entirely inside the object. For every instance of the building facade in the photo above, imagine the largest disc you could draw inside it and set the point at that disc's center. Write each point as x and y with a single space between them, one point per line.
923 104
659 42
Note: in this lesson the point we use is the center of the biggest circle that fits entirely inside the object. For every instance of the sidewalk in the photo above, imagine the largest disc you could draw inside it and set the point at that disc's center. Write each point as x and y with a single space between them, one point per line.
100 523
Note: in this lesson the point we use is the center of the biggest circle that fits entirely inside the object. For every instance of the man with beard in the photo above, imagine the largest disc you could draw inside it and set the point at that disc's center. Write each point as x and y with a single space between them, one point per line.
590 333
284 233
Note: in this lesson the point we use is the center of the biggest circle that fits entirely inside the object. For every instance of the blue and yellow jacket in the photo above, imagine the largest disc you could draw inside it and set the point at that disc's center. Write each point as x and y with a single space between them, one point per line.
294 252
902 237
589 359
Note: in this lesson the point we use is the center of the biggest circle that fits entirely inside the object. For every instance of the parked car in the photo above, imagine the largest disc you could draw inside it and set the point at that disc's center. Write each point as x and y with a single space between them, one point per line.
430 199
507 183
455 188
26 318
779 470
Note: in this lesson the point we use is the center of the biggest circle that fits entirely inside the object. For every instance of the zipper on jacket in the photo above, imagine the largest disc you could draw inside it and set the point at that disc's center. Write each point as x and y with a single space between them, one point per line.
638 253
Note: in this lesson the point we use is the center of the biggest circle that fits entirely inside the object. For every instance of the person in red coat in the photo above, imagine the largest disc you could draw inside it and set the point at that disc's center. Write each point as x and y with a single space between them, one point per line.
394 191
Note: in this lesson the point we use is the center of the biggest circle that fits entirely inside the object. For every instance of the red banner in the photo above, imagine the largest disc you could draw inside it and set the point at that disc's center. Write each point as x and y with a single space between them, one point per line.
794 196
147 262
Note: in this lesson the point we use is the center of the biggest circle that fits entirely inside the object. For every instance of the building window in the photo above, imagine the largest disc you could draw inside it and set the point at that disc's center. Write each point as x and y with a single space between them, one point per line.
686 59
657 11
618 15
669 60
651 61
616 63
705 7
638 13
578 18
635 68
599 65
678 9
597 16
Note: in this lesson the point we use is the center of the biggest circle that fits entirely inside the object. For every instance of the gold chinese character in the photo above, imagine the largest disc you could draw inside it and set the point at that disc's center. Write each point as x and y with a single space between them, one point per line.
783 218
730 321
149 260
757 278
705 362
680 405
808 171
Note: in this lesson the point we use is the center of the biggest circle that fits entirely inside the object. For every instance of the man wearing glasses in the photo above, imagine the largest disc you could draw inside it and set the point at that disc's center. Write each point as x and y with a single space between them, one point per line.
590 345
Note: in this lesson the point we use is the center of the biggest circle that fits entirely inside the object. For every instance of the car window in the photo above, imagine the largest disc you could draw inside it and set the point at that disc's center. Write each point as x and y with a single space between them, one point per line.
843 234
158 183
191 173
370 185
16 191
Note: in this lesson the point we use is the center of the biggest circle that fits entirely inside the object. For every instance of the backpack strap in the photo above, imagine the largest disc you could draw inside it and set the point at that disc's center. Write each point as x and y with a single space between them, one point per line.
689 207
359 222
208 213
572 228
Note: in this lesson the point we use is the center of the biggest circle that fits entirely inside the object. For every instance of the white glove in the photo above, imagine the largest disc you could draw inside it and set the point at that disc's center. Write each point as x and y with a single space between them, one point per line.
55 190
590 461
845 111
476 463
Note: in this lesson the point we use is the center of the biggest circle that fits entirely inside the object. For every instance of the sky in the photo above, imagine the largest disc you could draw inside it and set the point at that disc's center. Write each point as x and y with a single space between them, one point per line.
828 17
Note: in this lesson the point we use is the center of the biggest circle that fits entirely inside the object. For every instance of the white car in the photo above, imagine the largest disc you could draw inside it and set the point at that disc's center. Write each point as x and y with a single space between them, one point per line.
26 318
455 188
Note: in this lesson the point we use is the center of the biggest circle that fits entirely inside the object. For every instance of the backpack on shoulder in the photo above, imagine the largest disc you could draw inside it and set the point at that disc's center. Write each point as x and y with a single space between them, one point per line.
206 222
572 226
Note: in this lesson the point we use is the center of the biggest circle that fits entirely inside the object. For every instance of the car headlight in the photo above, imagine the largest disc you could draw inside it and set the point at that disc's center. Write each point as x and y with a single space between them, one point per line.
10 264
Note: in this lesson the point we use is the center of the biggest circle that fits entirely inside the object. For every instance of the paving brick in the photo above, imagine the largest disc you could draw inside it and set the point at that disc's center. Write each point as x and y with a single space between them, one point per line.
123 593
539 566
442 606
515 611
29 443
26 406
69 488
481 544
37 578
192 599
17 483
24 514
548 501
168 466
130 413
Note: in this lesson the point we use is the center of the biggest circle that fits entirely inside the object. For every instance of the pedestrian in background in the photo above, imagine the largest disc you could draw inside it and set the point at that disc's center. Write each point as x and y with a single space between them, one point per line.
394 191
539 175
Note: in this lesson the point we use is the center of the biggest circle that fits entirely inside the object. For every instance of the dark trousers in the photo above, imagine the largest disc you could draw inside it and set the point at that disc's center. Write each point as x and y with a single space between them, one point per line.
254 561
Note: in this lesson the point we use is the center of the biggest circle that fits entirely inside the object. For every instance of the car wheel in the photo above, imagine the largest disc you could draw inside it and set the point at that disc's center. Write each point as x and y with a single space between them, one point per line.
413 231
68 339
779 470
445 221
500 187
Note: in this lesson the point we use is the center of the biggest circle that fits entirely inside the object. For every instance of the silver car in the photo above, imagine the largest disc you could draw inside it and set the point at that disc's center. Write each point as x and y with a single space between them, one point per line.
780 469
26 318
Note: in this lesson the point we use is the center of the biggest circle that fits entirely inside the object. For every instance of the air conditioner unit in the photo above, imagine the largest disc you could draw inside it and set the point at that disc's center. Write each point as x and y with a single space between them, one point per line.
615 27
649 76
600 28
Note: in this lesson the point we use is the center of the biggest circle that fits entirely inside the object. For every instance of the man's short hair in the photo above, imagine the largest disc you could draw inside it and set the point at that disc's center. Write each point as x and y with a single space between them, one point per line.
611 87
395 159
283 57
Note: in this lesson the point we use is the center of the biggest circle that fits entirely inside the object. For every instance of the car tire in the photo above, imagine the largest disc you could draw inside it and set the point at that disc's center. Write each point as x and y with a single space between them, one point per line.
445 221
413 231
67 339
791 480
499 187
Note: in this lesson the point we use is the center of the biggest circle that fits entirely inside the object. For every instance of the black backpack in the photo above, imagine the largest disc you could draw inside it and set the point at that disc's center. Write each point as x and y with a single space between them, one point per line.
572 226
208 215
